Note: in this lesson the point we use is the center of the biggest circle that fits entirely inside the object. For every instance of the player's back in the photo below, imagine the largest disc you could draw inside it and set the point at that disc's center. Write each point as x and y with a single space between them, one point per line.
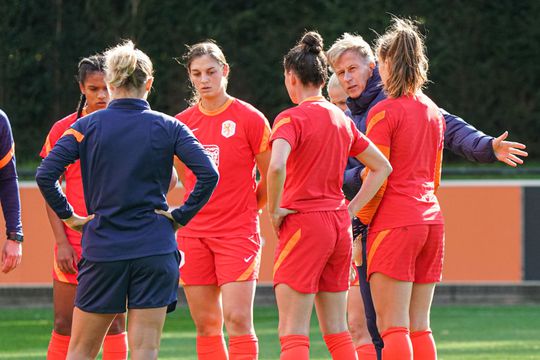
415 130
131 148
321 139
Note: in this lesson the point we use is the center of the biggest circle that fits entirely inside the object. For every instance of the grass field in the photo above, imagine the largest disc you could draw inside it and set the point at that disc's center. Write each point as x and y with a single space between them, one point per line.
476 333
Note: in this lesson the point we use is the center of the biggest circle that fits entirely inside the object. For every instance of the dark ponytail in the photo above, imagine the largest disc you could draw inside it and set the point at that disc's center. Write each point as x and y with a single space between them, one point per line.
308 60
94 63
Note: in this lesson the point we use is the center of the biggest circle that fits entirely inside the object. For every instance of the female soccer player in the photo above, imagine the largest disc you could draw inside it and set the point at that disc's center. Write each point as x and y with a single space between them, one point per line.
222 243
406 235
310 146
9 198
129 255
355 307
67 249
354 64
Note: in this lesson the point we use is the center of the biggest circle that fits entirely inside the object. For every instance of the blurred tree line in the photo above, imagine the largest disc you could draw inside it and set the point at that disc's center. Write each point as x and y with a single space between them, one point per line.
483 54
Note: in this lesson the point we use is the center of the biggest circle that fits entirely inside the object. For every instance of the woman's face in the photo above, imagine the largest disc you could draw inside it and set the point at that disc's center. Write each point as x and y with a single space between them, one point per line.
353 72
95 90
208 76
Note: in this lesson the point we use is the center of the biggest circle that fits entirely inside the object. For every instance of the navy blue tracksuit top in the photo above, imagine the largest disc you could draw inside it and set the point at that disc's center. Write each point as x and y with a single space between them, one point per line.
126 154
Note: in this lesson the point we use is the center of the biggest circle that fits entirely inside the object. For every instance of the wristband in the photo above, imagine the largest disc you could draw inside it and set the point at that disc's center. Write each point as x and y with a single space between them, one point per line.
15 237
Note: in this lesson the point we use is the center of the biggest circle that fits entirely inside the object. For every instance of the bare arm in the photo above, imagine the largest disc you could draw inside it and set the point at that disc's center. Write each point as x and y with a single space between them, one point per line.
263 161
378 170
277 171
66 257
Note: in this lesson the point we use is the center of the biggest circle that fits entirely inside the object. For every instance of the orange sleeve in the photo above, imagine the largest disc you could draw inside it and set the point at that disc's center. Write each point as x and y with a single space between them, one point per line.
379 132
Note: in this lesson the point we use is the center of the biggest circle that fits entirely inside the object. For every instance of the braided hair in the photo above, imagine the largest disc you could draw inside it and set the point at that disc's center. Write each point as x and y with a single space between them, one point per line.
87 65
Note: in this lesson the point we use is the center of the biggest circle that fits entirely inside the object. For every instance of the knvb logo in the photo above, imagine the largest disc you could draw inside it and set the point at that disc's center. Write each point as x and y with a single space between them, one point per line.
213 152
228 128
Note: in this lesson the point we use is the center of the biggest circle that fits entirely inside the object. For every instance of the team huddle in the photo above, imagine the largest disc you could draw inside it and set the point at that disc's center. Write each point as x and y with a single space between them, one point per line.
349 185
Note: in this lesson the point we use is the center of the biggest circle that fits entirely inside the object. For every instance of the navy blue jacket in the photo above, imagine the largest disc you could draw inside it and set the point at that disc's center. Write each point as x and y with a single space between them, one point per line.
9 186
460 137
126 154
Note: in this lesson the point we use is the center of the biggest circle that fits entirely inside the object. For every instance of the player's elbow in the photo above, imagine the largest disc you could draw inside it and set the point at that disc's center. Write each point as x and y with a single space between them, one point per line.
275 169
42 177
387 169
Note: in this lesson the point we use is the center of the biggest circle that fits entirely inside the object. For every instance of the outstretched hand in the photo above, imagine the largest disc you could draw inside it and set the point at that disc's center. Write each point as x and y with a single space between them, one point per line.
76 222
169 216
508 151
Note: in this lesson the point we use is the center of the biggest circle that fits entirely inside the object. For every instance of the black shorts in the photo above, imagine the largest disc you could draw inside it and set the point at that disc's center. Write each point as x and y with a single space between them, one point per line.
142 283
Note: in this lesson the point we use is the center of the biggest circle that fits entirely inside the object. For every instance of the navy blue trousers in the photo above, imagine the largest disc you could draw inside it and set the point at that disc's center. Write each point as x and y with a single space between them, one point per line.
365 291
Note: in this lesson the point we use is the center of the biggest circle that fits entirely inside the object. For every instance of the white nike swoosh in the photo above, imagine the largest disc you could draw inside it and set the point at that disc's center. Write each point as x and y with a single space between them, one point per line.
248 258
193 130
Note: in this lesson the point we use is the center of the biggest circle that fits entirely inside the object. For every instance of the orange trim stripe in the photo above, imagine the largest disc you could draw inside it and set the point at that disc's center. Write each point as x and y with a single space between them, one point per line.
48 146
280 123
313 98
438 165
218 111
255 262
7 158
368 211
264 141
376 243
291 243
78 136
374 120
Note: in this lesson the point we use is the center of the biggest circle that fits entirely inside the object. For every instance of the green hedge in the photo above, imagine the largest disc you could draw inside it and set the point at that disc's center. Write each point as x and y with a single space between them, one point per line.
483 54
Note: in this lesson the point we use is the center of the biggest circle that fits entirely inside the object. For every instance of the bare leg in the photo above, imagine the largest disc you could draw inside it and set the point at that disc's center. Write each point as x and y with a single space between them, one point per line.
294 311
391 298
144 332
356 318
205 308
238 307
63 300
422 296
87 333
332 311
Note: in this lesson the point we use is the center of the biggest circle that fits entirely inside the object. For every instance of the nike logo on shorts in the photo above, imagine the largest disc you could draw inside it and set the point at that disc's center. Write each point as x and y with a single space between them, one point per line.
248 258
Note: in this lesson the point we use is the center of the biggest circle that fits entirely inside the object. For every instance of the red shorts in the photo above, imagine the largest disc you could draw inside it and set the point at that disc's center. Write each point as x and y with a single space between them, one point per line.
314 252
57 274
219 260
409 253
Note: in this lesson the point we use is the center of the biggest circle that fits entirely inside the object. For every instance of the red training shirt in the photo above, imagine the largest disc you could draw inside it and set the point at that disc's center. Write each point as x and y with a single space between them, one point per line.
322 137
410 131
72 175
232 135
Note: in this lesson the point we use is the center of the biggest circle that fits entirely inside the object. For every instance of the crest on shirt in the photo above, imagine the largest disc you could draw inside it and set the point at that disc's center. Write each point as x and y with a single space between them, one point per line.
228 128
213 152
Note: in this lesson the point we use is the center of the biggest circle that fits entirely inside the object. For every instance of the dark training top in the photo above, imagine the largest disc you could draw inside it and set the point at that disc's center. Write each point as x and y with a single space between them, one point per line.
9 187
126 154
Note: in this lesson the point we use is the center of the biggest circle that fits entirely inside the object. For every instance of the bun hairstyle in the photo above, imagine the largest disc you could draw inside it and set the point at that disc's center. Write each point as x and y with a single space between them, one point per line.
307 60
88 65
402 47
127 67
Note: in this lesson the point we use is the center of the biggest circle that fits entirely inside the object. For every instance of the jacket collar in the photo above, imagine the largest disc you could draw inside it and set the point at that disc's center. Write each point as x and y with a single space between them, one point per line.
129 103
